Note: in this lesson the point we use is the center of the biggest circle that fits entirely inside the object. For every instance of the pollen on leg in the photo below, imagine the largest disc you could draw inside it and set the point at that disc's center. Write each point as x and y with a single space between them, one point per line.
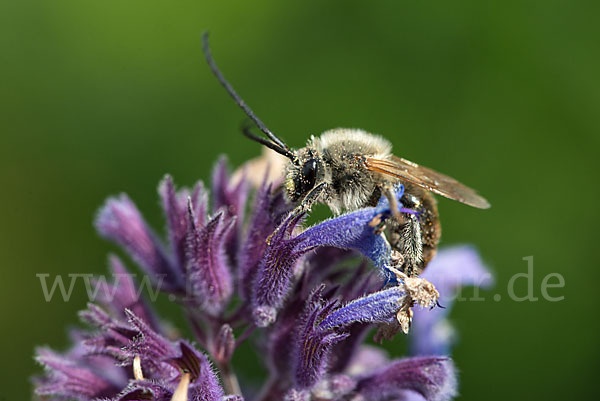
137 368
404 317
181 392
422 291
419 291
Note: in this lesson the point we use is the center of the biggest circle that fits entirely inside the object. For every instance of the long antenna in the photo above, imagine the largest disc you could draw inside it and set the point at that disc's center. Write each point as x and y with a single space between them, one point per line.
246 131
283 148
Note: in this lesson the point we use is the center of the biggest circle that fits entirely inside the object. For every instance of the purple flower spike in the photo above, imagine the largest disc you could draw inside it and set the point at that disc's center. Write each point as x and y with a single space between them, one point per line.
450 269
434 378
232 275
208 273
120 221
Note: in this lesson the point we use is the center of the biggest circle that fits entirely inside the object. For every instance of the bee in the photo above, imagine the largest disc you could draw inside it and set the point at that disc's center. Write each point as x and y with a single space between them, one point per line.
348 169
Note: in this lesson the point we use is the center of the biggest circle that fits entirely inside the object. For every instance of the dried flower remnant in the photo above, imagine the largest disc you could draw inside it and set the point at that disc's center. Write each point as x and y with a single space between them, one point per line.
304 299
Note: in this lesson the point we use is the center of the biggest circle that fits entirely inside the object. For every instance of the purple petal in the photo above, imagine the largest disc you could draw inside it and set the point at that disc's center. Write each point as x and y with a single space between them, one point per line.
200 203
120 221
281 335
231 197
123 293
361 281
152 348
175 206
313 344
207 270
205 384
224 344
451 268
113 337
267 211
434 378
273 279
69 378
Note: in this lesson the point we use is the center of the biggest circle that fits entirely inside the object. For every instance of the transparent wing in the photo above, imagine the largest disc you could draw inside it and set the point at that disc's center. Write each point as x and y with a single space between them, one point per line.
424 177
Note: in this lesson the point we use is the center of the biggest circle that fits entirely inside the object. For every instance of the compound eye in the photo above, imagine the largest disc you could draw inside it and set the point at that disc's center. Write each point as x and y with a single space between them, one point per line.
309 175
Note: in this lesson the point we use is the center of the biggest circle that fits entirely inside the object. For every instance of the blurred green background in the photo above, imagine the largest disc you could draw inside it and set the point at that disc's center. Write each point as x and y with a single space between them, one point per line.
99 97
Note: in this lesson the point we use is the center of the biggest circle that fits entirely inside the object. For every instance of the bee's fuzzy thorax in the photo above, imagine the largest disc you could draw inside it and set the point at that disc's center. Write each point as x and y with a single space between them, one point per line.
340 151
353 139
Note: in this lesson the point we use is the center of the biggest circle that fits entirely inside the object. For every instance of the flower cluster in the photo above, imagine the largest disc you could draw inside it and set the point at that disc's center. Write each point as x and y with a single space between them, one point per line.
304 297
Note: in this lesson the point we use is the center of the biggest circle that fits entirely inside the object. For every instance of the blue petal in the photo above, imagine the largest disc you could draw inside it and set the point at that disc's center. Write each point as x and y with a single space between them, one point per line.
348 231
378 307
352 231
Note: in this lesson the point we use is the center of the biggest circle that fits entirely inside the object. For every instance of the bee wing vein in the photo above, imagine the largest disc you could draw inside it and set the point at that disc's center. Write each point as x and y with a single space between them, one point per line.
424 177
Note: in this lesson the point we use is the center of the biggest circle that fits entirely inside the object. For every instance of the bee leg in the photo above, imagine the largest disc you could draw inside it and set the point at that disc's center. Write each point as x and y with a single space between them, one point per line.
311 197
411 245
304 205
407 235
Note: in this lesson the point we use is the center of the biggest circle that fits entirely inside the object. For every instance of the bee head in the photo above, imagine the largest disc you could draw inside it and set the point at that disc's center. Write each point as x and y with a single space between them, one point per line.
303 174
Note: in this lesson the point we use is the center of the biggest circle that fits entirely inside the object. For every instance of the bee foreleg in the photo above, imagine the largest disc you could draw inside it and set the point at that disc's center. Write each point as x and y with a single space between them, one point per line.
311 198
304 205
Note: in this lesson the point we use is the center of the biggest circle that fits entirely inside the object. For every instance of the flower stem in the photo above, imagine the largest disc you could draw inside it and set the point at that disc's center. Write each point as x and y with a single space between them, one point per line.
245 334
230 380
